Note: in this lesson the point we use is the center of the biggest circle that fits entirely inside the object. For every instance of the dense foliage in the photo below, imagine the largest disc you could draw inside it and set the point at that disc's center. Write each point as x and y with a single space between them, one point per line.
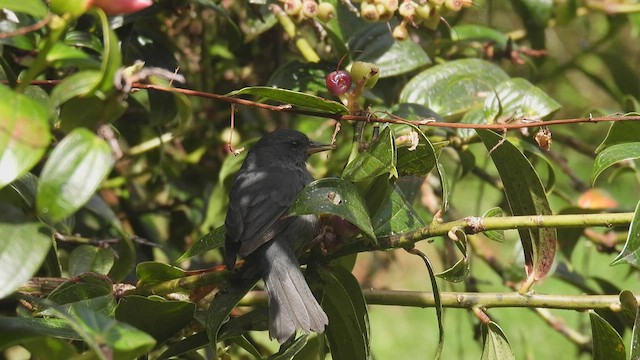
120 136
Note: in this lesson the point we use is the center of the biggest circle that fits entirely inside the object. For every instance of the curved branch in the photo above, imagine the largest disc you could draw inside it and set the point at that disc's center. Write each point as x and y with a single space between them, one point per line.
469 300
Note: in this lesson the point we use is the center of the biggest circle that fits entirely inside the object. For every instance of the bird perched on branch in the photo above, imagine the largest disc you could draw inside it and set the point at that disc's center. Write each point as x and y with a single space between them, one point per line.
256 227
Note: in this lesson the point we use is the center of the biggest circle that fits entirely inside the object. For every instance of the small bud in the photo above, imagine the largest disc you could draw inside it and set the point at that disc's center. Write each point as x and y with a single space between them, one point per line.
407 9
453 5
390 5
433 21
369 12
400 32
365 72
310 8
116 7
424 11
326 11
292 7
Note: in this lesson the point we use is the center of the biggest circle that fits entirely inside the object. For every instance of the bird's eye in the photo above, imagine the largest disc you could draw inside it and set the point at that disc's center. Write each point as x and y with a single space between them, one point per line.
295 143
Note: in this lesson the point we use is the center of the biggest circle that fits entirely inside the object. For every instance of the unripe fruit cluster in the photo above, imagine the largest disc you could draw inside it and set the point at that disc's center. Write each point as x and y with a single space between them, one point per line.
415 12
300 10
364 74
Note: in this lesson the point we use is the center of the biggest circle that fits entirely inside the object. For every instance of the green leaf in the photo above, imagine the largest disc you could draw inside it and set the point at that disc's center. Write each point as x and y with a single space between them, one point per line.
156 316
495 235
629 305
111 57
620 132
13 330
348 330
83 287
446 186
436 298
105 335
480 33
150 273
394 214
72 174
24 134
526 196
23 249
496 346
378 159
374 43
225 300
612 155
607 343
88 258
210 241
81 83
334 196
631 251
419 161
635 336
49 348
461 269
63 55
290 351
32 7
294 98
518 99
454 87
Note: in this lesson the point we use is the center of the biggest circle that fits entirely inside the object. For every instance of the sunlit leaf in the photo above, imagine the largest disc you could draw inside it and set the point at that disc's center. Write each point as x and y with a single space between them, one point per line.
36 8
72 174
612 155
379 158
454 87
24 134
496 346
348 330
607 343
23 248
526 196
518 99
294 98
631 251
88 258
334 196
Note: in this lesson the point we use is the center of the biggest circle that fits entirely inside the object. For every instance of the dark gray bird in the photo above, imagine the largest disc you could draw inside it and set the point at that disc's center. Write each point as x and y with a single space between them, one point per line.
267 184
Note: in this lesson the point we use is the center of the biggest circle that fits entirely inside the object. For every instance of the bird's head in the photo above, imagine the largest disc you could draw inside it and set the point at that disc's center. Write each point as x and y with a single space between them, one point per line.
288 144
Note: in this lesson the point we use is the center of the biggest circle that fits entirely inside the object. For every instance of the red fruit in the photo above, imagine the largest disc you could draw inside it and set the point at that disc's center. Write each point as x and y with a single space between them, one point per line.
338 82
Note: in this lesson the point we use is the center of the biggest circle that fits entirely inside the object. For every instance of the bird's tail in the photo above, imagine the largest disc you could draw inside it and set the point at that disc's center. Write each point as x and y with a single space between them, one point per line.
292 306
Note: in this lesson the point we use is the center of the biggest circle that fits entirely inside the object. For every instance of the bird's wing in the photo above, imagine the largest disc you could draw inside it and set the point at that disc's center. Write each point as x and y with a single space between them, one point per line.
258 200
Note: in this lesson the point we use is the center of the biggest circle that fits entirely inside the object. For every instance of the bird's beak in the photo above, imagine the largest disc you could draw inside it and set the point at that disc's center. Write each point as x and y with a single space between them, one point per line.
318 147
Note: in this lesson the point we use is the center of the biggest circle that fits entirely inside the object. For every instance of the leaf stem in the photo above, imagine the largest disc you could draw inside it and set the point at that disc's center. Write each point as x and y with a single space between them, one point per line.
57 27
